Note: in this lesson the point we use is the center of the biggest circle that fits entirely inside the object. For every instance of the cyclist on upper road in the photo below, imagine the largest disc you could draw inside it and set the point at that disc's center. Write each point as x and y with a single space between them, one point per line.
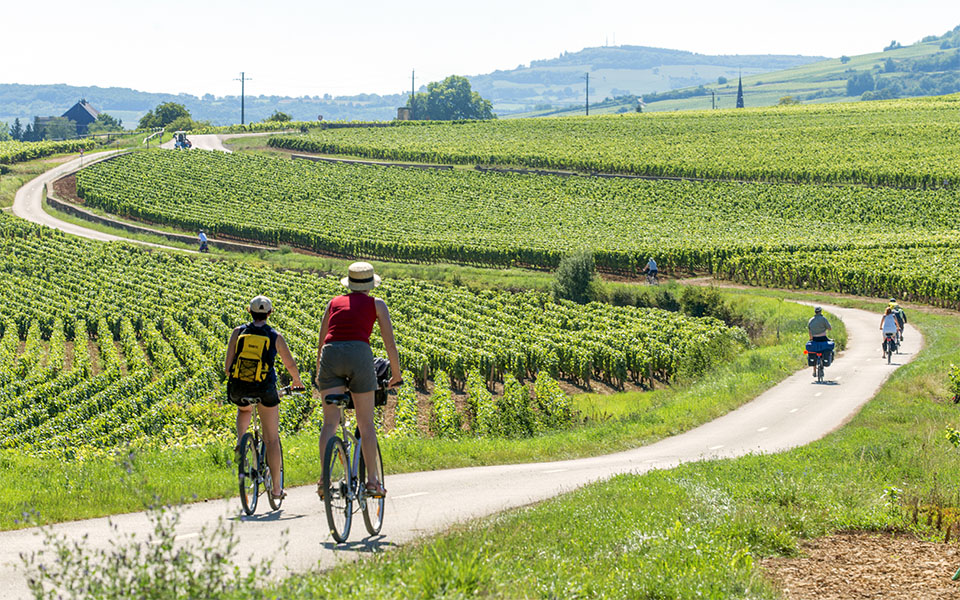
651 269
251 353
202 237
817 327
344 359
889 326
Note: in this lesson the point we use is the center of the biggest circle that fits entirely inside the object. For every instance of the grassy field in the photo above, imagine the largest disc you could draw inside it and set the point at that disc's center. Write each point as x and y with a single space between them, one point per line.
123 480
699 531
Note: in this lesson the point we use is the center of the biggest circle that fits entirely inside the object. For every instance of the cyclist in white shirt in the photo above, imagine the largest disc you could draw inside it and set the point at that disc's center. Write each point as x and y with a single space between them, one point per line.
888 325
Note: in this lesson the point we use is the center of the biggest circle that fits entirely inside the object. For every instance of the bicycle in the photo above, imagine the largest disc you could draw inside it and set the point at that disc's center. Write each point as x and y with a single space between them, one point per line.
823 357
652 278
344 472
252 468
890 345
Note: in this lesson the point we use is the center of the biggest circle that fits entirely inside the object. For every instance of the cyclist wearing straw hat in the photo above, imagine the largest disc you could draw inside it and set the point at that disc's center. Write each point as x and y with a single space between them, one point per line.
344 359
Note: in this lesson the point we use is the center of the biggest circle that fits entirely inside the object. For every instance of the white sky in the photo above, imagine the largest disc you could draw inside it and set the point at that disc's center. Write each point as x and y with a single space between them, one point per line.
298 47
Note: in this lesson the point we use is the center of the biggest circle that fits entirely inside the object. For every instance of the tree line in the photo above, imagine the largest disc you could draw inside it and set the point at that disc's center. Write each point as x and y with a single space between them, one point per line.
58 128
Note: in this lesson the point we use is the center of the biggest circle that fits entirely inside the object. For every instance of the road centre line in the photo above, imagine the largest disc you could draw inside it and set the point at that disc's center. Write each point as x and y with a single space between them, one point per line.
413 495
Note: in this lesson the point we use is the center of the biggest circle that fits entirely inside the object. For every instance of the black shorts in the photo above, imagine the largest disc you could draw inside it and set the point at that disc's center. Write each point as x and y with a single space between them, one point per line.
266 392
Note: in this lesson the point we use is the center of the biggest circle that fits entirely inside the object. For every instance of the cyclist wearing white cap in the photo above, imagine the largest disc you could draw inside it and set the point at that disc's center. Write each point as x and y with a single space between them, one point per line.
344 359
251 353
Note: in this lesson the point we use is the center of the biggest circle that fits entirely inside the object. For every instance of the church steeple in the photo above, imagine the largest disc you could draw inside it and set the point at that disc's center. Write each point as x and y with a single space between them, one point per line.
740 92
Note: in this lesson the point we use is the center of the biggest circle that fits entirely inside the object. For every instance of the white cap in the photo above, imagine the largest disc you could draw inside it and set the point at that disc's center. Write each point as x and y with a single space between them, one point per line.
261 304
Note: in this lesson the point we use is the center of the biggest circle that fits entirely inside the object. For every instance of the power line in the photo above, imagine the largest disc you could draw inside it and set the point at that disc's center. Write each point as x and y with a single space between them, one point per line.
242 79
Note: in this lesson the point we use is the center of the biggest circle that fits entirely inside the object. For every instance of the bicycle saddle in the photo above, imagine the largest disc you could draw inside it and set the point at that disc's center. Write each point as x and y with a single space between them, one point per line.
337 399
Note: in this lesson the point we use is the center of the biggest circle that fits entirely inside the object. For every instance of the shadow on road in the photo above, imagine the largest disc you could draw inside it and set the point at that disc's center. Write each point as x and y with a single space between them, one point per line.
277 515
366 545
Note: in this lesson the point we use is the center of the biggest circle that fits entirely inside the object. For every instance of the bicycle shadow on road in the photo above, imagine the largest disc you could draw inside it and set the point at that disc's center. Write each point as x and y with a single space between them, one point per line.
367 545
825 382
277 515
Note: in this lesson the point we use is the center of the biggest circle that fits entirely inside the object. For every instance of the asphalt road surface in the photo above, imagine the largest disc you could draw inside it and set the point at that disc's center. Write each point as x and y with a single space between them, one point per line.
797 411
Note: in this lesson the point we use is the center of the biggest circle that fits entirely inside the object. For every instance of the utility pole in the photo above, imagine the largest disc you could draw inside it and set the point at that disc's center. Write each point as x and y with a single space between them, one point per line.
413 91
243 79
588 93
713 99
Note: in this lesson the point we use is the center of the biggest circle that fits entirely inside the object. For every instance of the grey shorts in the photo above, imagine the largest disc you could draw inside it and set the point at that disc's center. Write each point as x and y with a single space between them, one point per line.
347 364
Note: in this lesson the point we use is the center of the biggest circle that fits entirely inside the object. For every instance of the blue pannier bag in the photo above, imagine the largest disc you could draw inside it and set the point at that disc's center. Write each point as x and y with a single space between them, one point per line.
824 348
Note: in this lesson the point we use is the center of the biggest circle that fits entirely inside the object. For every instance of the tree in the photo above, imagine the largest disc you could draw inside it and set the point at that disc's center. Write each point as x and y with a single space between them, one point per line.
788 101
5 132
163 115
58 128
185 124
105 123
278 117
16 130
28 135
844 59
859 83
576 278
450 100
889 66
721 80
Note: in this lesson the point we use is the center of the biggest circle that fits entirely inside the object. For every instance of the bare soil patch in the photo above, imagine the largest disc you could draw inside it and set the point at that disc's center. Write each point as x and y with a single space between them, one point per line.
65 188
855 565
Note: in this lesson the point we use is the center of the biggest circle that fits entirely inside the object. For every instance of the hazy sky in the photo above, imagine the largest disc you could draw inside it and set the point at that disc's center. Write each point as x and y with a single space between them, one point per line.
295 47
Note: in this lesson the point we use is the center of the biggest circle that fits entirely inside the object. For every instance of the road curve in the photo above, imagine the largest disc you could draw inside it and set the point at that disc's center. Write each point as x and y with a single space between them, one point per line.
28 204
795 412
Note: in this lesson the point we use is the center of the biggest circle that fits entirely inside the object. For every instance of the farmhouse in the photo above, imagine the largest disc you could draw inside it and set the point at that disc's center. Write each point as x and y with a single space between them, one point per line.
82 113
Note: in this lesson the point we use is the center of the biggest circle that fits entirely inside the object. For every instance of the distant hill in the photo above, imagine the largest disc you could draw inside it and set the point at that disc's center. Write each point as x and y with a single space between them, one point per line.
28 101
616 71
929 67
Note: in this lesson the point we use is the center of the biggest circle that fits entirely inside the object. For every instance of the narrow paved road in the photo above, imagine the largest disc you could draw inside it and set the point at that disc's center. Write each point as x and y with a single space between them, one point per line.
28 204
795 412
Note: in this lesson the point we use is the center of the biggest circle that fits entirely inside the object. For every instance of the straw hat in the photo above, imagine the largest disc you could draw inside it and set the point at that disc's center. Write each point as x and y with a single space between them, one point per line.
360 277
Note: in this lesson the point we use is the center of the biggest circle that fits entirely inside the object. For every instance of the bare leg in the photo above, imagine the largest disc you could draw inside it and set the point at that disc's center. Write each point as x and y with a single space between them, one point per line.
244 416
368 434
331 418
270 421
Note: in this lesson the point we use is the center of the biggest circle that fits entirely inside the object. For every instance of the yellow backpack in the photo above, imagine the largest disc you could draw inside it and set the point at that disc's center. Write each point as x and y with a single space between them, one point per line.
250 363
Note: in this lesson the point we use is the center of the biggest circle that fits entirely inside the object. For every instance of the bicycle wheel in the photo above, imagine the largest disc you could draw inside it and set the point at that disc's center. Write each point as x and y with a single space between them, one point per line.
248 474
372 507
889 351
337 500
819 370
268 481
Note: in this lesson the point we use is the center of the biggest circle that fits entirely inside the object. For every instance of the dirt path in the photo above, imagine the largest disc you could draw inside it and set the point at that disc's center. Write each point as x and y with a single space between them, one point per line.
795 412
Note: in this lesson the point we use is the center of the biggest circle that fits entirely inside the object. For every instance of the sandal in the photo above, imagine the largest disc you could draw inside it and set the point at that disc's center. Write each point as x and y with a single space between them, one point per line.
375 490
280 496
320 490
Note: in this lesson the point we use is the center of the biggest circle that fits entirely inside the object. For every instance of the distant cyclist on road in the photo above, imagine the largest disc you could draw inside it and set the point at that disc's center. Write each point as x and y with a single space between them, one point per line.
652 270
889 326
203 241
251 353
344 359
817 327
900 315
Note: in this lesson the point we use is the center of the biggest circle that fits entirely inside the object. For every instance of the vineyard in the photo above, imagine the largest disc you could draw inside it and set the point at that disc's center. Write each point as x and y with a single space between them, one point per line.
15 152
904 143
108 344
849 238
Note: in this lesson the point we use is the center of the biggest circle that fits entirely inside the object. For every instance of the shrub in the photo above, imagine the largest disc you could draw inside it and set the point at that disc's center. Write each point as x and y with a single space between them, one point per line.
576 278
444 418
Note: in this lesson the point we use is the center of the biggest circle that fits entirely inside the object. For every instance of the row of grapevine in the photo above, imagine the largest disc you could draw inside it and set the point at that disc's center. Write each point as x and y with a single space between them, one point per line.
15 152
149 331
505 219
904 143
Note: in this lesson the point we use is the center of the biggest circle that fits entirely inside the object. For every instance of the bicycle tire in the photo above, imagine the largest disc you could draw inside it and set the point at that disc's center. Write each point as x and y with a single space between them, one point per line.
248 474
889 351
275 503
819 370
337 499
372 507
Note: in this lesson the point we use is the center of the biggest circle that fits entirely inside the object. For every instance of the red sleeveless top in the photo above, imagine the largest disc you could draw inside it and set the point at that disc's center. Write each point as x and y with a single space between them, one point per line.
351 318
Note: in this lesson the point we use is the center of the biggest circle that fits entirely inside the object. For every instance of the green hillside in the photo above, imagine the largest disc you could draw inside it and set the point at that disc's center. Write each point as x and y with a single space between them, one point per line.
929 67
